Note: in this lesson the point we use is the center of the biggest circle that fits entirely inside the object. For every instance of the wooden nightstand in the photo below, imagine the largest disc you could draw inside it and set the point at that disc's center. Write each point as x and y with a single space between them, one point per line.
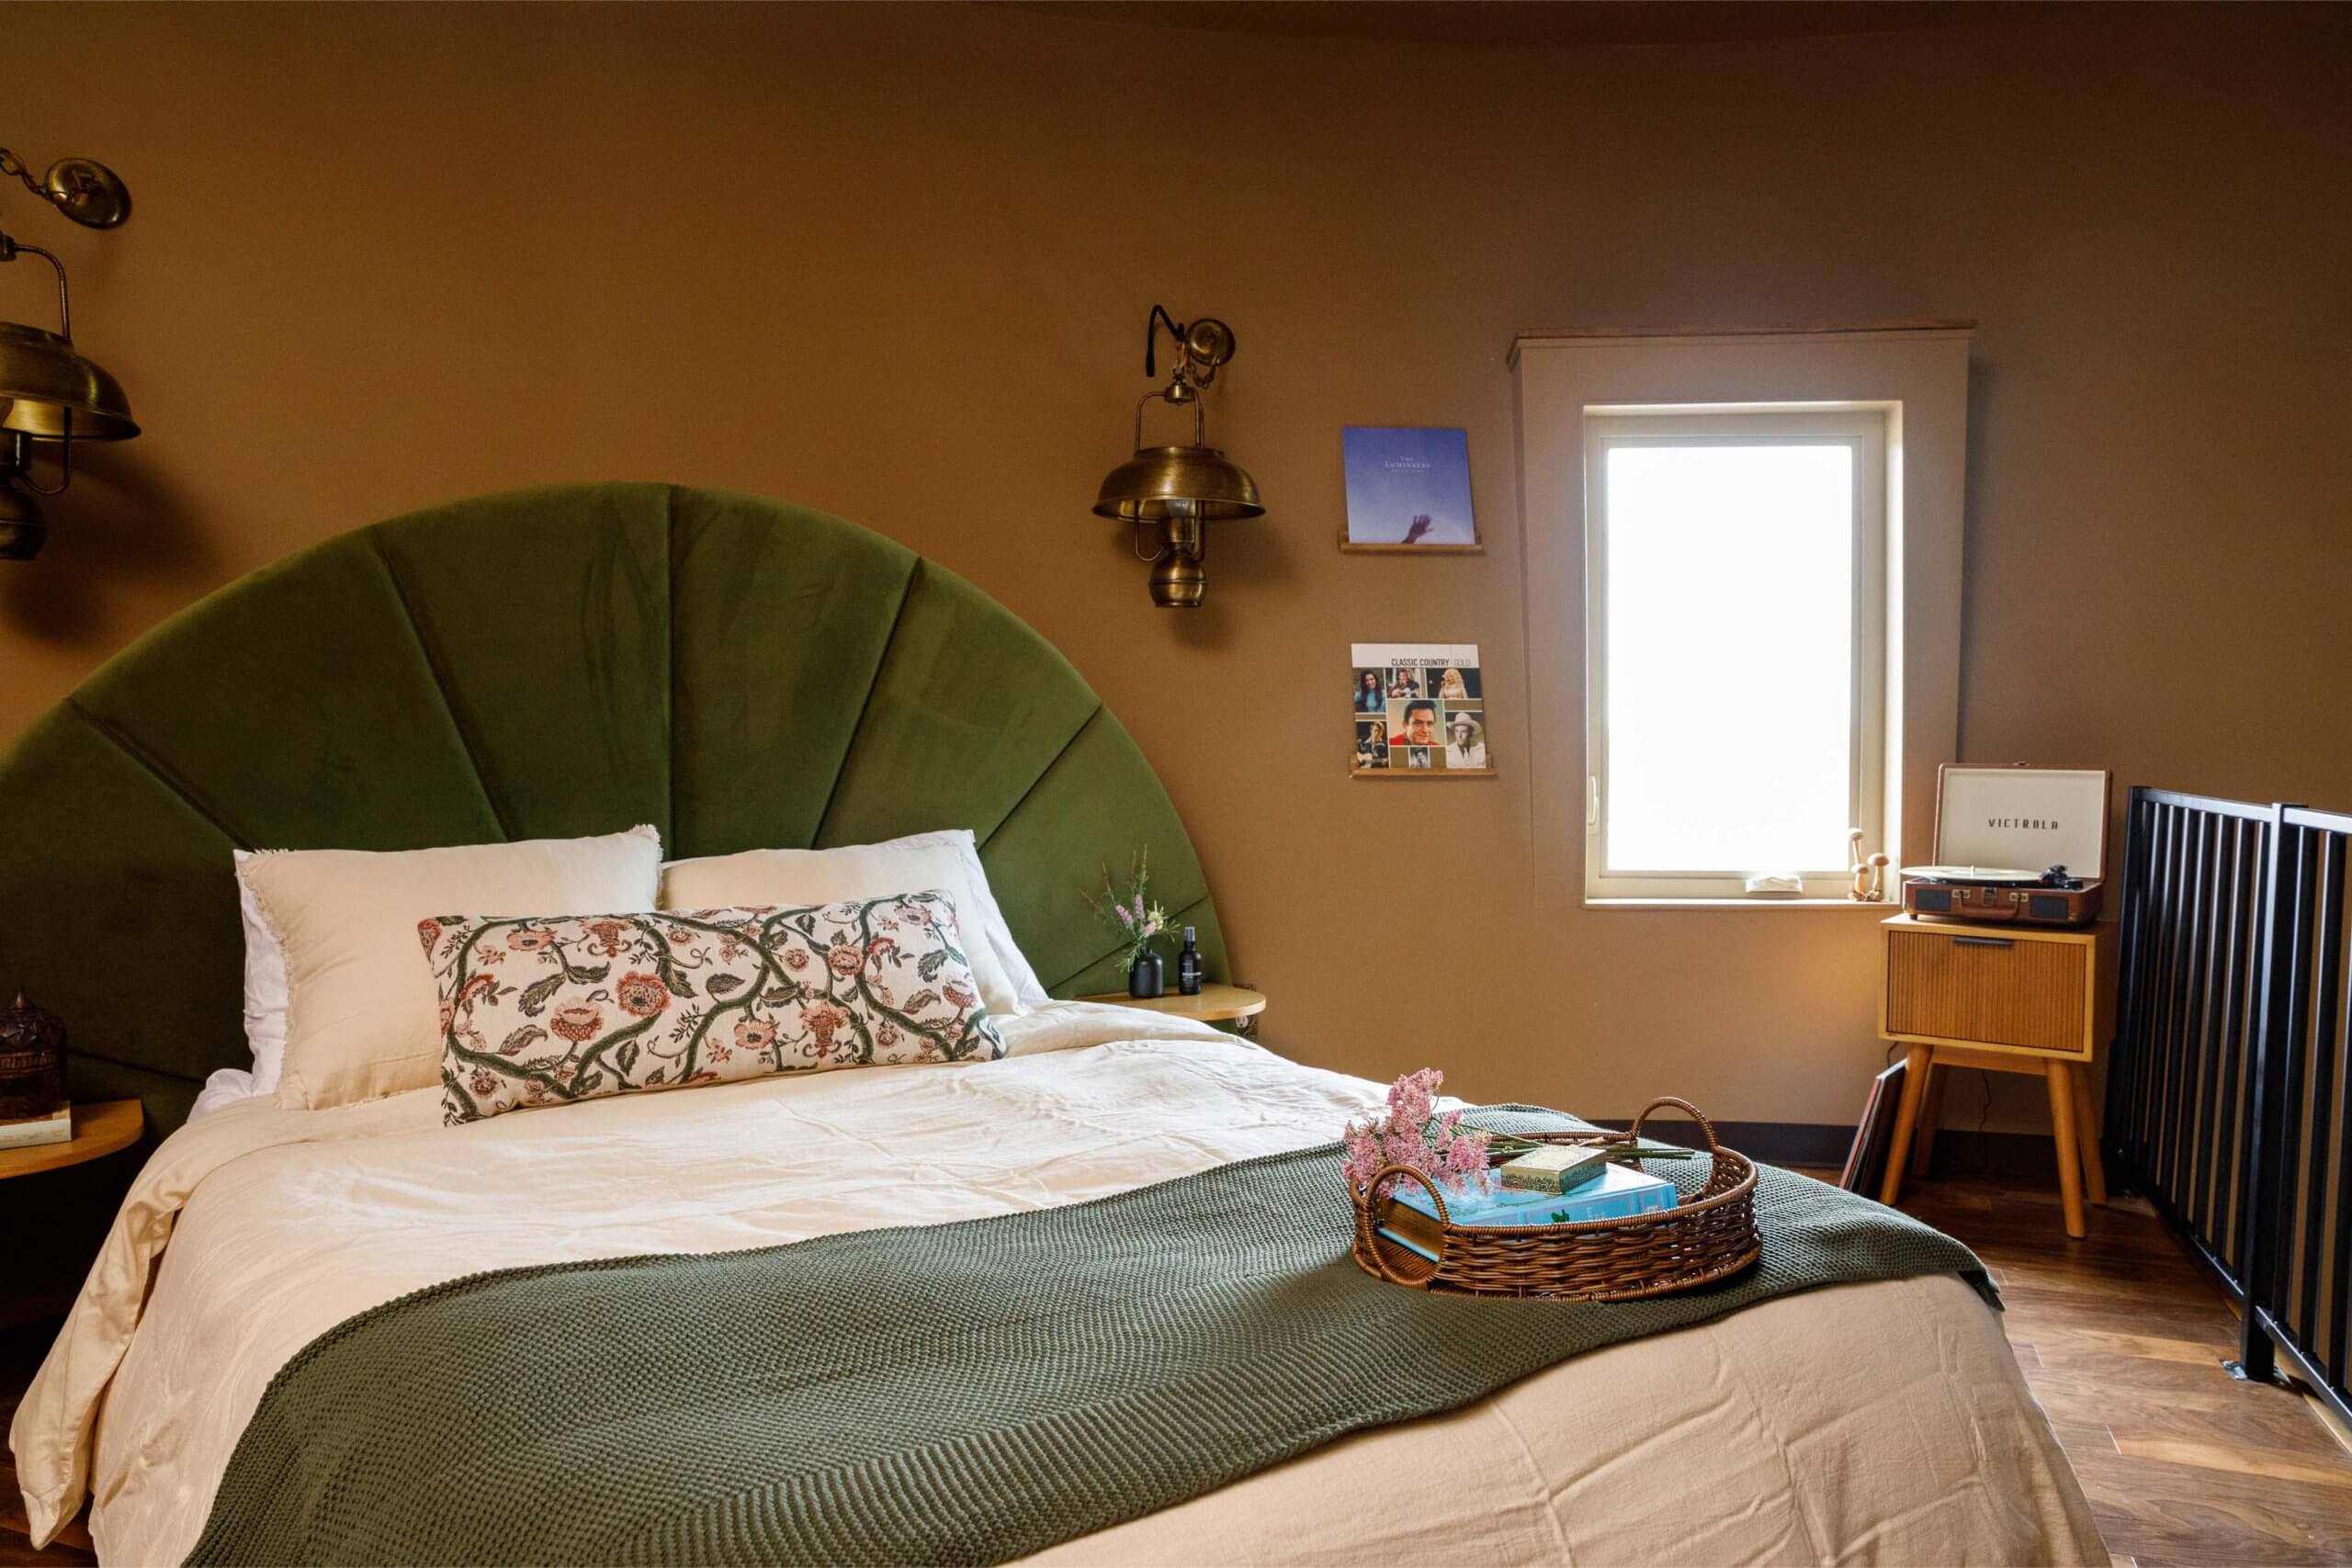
2007 999
1236 1005
99 1128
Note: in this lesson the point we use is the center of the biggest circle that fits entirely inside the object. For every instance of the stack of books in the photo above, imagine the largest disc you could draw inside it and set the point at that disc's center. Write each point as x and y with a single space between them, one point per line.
25 1132
1615 1193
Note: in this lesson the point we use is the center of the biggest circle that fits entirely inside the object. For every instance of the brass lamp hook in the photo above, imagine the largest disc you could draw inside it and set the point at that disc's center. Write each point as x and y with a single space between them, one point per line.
83 188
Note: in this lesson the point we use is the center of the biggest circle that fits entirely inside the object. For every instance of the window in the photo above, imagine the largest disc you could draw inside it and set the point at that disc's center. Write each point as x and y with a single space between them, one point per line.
1737 647
1741 591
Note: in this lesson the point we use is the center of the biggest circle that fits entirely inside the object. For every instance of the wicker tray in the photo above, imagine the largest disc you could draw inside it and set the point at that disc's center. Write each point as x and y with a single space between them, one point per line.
1709 1235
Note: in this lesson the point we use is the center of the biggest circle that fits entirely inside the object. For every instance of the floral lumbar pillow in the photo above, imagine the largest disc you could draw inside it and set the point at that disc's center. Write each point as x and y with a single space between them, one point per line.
544 1011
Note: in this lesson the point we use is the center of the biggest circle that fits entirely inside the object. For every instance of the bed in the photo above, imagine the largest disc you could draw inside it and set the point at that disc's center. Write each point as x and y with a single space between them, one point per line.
561 661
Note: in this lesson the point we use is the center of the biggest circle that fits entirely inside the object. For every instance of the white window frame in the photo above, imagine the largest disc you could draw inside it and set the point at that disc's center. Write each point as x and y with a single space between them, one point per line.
1918 374
1863 429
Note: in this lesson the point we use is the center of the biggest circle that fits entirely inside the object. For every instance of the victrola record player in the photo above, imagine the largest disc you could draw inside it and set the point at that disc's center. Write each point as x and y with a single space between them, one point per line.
2017 844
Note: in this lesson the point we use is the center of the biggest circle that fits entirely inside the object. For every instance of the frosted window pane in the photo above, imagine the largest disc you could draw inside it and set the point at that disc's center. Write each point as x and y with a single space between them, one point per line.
1730 657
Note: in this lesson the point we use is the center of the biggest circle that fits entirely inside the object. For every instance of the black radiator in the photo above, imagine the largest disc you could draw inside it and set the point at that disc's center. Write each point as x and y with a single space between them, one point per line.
2229 1093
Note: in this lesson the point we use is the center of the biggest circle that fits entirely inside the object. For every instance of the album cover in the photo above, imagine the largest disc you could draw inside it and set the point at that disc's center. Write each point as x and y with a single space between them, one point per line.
1419 709
1408 488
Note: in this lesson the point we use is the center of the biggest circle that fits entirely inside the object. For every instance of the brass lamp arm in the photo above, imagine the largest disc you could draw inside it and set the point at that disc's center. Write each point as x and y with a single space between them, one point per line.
1150 330
1168 394
10 248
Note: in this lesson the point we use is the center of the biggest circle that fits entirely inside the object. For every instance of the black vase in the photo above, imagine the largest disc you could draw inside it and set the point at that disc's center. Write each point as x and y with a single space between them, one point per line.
1147 977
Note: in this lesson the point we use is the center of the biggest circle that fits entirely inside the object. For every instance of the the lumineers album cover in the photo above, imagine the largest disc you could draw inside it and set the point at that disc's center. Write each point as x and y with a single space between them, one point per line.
1408 488
1419 709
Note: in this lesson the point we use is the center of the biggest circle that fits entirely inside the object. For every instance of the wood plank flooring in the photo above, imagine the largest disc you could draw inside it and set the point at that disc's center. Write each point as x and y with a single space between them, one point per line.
2121 1335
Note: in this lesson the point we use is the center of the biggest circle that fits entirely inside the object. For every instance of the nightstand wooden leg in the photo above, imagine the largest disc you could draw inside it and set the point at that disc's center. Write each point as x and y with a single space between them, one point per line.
1906 1117
2061 1133
2087 1133
1931 1116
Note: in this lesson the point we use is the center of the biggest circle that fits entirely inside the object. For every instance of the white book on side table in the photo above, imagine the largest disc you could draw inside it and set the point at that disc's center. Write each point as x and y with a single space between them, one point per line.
25 1132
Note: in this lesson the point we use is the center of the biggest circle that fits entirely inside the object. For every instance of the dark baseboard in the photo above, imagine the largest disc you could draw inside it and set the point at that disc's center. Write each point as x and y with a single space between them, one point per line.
2006 1157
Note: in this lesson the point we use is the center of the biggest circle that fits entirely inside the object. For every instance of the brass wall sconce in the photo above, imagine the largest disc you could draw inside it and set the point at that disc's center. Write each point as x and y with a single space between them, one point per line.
1178 489
50 393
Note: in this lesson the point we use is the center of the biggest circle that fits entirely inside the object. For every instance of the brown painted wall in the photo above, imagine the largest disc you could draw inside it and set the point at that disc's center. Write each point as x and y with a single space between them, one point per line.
894 262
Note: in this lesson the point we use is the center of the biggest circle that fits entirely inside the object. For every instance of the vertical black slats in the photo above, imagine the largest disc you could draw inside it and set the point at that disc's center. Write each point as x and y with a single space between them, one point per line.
2140 959
2213 985
2282 1148
2172 899
2230 1094
2167 976
2221 969
2258 1227
2124 1058
2187 1011
2155 926
2205 981
2132 1126
2320 1096
2245 923
2336 1040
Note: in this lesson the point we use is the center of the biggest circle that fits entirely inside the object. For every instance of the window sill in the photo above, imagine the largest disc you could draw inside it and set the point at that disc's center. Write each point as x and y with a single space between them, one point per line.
1884 906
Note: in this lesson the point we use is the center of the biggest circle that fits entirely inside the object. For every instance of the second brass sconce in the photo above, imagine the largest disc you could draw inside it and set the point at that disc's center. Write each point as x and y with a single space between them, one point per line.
1178 489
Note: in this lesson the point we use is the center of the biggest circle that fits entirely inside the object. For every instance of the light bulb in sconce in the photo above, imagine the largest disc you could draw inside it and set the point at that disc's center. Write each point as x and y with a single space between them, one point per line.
1178 489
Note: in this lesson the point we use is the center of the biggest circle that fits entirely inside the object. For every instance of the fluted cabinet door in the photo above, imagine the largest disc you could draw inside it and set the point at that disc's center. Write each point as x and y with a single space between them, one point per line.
1990 989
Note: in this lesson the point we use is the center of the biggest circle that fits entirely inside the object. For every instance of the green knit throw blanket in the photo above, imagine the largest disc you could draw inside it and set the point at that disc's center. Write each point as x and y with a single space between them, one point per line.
963 1392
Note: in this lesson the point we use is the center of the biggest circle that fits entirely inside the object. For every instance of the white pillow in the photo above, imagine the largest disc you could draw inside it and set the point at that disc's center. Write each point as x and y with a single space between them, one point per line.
265 987
363 1015
948 860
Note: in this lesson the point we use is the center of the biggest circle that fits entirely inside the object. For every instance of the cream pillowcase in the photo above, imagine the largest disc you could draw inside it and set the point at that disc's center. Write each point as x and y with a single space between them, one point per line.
363 1015
949 861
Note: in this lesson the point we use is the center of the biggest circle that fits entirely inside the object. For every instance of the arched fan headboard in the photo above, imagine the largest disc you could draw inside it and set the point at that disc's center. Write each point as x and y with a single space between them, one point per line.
546 663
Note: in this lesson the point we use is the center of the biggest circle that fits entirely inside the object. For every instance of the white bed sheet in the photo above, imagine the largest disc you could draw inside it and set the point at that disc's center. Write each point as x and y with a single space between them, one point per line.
1869 1423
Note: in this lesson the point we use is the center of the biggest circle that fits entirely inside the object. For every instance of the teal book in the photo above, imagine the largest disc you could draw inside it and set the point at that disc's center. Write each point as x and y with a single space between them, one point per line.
1621 1193
1492 1207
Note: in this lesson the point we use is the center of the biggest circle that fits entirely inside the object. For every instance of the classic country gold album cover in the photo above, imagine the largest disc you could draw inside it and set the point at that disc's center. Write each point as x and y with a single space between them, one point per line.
1419 709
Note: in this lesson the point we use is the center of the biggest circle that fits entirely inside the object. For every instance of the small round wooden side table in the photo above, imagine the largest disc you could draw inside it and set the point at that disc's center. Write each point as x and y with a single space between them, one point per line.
1236 1005
100 1127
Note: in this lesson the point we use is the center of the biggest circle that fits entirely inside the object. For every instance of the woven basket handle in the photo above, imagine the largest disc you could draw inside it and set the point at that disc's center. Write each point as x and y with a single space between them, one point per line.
1372 1196
1687 1109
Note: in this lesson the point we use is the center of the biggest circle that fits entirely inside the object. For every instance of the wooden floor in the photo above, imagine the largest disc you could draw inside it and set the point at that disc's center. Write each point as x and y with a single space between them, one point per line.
2121 1335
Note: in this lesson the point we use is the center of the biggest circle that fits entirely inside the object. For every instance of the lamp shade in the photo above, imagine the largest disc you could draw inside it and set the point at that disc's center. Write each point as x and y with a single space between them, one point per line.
1160 483
43 379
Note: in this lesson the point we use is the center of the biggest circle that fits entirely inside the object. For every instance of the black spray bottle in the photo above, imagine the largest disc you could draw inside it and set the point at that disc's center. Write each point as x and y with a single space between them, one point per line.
1187 966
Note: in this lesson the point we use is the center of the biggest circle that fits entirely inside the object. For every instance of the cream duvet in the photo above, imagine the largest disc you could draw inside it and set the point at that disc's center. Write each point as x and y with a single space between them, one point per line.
1877 1423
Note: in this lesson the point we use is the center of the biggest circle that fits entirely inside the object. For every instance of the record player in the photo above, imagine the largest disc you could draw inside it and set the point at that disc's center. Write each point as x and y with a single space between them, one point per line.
2017 845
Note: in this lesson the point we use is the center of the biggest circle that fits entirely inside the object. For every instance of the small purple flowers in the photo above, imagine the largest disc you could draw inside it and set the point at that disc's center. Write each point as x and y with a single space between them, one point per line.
1414 1134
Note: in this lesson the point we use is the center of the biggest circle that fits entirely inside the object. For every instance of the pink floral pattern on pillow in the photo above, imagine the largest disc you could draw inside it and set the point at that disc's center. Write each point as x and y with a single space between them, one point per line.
540 1011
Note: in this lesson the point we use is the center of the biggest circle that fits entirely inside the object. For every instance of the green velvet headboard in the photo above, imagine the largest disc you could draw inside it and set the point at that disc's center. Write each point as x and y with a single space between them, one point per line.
547 664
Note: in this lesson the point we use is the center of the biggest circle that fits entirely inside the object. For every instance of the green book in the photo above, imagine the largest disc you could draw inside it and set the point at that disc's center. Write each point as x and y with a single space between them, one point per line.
1556 1167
